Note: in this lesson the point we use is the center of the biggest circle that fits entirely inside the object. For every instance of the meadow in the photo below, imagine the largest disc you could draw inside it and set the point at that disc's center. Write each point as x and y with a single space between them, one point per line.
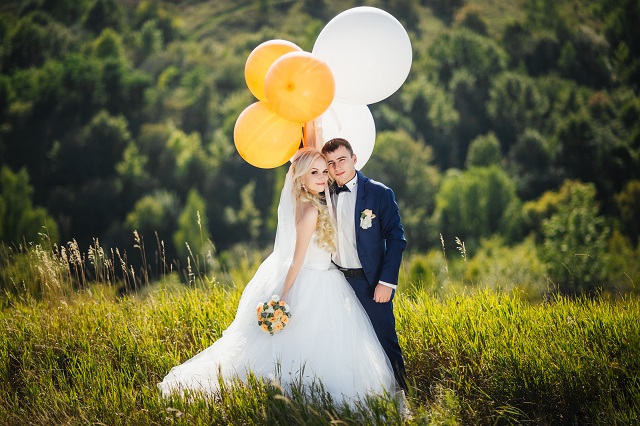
516 132
78 351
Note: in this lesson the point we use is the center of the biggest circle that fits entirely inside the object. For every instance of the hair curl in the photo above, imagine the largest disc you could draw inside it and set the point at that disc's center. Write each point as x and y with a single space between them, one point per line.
300 165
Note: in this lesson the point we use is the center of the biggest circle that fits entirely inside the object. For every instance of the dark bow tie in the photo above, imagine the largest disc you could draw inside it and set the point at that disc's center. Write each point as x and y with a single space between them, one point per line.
338 189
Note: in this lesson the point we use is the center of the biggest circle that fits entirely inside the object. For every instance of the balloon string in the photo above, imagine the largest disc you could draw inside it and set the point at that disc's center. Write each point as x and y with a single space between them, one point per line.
312 134
319 135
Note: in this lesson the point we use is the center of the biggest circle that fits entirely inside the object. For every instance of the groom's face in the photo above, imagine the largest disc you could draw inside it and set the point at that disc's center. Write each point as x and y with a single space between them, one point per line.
342 165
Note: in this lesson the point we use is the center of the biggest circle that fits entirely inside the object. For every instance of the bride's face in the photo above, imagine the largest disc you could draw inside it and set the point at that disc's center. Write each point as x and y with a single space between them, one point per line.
316 178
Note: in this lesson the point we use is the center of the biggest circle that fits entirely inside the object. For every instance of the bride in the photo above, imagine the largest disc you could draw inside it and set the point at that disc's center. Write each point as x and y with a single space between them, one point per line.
329 337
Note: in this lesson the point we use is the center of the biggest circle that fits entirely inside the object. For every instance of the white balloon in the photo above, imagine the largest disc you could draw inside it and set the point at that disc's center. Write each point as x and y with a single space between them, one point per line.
353 123
369 53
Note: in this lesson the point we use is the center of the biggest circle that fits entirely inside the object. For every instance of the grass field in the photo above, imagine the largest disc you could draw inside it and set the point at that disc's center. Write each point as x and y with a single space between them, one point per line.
476 358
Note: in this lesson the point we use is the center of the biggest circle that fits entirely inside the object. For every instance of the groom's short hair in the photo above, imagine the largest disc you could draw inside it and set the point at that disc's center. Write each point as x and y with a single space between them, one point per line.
335 143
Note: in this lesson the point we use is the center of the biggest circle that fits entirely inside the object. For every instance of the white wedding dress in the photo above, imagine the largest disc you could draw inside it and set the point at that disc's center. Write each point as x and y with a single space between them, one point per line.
329 337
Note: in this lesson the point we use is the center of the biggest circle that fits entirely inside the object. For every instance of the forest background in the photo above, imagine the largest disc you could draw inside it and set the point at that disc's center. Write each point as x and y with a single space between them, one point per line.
514 143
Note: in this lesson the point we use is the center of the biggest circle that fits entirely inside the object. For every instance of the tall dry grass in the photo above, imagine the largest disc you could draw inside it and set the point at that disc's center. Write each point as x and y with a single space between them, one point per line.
76 350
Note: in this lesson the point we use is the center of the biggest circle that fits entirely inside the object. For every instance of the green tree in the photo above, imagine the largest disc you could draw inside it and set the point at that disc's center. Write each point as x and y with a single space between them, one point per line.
165 15
35 94
156 213
445 9
316 8
509 268
514 104
404 164
100 145
406 11
463 49
33 40
575 239
184 160
621 266
151 142
621 18
68 12
104 14
431 114
592 147
192 236
628 202
531 164
579 151
132 168
247 219
174 76
465 62
565 97
534 212
20 220
197 98
585 58
6 96
132 174
84 92
124 87
471 16
108 45
484 151
470 97
537 49
543 13
477 203
86 189
150 40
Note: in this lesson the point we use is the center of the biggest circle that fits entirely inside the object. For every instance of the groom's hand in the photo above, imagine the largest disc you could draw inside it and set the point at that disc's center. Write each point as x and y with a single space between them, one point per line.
382 293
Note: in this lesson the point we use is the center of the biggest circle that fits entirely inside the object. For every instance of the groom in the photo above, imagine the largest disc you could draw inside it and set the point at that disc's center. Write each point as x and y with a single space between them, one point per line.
370 242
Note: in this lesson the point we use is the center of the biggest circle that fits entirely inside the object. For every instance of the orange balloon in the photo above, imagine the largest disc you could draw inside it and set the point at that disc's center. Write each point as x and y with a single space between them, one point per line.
259 61
299 86
263 138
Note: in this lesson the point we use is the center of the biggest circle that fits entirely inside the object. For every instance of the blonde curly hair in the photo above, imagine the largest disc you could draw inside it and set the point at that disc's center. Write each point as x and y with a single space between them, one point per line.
300 165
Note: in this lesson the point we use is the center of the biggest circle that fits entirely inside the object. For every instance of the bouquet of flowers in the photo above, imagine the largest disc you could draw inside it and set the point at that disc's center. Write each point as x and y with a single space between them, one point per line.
273 315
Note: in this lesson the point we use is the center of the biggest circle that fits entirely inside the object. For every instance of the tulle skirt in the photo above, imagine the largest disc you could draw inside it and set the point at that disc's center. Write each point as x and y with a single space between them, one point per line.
329 338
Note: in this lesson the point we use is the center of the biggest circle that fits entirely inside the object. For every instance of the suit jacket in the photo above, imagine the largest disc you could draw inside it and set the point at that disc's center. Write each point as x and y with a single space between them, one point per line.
379 247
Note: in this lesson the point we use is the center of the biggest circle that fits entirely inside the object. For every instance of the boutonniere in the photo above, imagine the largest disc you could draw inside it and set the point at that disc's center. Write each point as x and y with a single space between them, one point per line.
365 218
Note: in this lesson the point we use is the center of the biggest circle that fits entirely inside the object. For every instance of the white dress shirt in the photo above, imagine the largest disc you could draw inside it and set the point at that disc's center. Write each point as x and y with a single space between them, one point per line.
346 254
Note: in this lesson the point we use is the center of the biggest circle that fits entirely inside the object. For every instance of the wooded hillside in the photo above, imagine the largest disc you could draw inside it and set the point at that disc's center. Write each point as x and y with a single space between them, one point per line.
519 118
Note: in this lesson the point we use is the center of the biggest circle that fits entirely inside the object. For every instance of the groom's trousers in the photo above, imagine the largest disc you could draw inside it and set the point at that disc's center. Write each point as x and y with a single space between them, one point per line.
384 324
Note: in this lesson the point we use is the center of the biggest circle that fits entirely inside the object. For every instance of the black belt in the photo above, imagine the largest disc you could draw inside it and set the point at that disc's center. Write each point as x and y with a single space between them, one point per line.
351 272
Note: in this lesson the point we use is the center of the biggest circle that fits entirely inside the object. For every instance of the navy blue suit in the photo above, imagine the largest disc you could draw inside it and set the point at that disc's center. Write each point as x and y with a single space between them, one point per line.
380 250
